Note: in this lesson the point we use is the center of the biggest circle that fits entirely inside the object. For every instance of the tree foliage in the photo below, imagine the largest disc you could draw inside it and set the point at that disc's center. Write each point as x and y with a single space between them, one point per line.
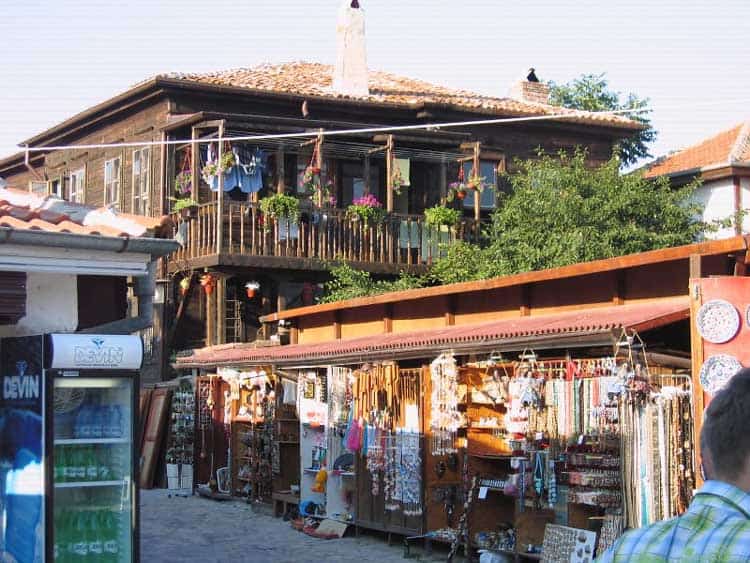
591 92
562 212
348 283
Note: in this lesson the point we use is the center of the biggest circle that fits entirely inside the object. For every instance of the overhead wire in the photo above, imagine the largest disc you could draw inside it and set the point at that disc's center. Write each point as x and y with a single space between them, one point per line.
332 132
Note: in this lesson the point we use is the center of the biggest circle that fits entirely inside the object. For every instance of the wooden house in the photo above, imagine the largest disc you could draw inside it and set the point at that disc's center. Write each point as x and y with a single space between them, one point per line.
227 236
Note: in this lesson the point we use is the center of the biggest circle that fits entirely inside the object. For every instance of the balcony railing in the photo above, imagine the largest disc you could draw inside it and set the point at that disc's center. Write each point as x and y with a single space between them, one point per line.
322 234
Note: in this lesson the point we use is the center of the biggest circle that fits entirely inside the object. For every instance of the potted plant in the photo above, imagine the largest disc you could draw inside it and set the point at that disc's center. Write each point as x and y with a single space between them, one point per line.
366 209
476 183
187 207
183 183
440 215
280 206
456 190
222 166
311 179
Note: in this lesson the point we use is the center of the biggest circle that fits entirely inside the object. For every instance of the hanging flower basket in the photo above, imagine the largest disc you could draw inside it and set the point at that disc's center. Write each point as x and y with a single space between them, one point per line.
187 207
250 288
184 286
366 209
208 282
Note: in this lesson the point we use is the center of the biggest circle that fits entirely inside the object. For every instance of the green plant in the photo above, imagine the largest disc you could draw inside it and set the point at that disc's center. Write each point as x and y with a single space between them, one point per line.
183 183
349 283
476 183
222 166
366 209
280 206
183 203
440 215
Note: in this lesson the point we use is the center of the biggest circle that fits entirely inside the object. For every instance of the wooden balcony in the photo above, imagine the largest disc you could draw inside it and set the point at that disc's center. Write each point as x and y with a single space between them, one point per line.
321 236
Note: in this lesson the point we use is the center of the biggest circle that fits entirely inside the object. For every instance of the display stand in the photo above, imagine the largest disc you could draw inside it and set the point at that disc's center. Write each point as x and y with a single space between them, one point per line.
286 448
181 440
313 415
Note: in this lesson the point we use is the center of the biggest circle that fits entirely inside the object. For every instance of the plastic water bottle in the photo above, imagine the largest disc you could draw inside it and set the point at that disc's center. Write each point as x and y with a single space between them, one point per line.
98 416
79 540
92 465
111 535
105 474
96 543
79 465
115 420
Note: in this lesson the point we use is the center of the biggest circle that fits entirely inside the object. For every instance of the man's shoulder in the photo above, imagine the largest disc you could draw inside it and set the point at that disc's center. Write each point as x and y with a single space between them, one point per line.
653 540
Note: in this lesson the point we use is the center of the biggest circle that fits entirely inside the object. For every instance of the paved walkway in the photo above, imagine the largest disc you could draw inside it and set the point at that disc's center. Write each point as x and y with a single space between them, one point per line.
181 529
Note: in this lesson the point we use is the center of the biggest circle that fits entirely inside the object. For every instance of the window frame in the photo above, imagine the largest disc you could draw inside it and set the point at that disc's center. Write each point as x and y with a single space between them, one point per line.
50 187
76 191
116 180
141 189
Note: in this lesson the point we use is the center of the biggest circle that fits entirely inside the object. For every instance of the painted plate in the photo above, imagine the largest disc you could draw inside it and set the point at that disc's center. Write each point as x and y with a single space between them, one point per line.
718 321
717 371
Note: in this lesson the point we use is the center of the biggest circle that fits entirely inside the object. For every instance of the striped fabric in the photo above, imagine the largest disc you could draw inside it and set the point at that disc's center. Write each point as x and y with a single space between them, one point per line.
716 528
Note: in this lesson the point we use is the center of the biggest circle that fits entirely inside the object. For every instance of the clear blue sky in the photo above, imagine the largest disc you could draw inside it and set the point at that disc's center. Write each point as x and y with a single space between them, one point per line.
58 57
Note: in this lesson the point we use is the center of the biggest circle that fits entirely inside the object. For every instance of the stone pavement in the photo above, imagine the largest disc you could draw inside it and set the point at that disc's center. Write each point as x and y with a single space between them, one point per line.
182 529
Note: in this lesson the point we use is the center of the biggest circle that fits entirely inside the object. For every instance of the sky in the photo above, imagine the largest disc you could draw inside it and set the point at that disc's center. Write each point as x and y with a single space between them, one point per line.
59 57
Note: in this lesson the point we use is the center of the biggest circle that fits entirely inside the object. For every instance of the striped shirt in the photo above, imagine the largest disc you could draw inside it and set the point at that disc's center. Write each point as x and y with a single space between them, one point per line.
716 527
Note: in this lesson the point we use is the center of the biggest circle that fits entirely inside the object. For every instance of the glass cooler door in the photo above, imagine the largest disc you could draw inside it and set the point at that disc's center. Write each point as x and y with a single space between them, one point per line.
93 464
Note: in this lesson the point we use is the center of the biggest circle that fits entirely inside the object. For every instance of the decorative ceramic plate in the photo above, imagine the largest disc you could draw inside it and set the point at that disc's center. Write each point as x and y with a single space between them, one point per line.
718 321
717 371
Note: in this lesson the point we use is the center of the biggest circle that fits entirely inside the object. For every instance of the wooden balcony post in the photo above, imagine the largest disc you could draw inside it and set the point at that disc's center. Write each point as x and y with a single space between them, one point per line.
319 165
389 174
220 196
194 162
280 171
366 173
221 310
477 196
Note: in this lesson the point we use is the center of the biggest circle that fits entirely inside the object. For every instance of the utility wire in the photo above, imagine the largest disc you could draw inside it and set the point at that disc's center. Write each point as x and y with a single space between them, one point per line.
330 133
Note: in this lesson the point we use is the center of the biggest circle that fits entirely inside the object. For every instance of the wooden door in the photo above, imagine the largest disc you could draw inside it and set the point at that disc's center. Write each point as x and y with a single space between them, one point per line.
156 428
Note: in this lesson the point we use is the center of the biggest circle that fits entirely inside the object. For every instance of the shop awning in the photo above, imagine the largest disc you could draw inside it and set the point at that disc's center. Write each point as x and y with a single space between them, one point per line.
595 326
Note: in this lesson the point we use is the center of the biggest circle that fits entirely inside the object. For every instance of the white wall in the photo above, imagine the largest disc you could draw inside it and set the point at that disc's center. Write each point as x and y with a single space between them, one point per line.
51 305
717 198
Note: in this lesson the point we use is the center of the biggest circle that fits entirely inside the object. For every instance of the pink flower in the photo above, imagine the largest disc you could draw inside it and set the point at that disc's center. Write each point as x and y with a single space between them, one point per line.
367 200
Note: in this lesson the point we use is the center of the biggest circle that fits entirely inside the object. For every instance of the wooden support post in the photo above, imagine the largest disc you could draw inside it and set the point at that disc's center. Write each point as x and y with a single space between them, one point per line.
194 163
210 318
388 318
696 356
443 182
319 164
450 310
337 325
280 170
221 310
619 297
389 174
477 195
738 218
220 197
164 178
366 173
525 309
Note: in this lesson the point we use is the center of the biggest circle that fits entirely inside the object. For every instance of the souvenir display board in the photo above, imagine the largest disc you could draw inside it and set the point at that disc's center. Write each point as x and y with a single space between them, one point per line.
212 428
312 392
181 439
285 460
390 456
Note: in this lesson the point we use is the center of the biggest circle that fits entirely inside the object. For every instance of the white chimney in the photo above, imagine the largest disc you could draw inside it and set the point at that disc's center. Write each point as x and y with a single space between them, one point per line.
350 72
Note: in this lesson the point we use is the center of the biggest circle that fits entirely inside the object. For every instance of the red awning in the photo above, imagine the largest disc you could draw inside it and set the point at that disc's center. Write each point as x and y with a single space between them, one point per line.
582 327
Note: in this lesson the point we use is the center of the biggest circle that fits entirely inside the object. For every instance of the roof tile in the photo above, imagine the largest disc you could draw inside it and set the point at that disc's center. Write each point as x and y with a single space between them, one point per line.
315 80
724 148
582 321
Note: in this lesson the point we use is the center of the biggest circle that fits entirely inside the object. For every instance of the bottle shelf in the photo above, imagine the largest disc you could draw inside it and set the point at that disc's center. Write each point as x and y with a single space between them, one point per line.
89 441
86 484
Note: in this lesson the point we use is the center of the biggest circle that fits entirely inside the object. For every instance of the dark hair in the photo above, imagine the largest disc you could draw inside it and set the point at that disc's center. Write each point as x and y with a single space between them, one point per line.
724 436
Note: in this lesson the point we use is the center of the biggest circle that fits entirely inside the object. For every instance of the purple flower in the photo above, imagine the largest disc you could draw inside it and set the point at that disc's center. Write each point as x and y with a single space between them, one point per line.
367 200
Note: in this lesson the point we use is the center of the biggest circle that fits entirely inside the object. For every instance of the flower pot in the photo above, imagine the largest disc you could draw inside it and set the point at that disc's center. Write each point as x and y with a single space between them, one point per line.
250 292
460 194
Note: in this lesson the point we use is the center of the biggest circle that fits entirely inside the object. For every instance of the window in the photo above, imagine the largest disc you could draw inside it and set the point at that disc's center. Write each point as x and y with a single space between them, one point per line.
141 180
112 182
38 188
77 185
488 171
56 188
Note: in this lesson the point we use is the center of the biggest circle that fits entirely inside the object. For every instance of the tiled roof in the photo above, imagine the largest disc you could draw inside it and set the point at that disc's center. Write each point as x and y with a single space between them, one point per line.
315 80
639 316
726 148
24 210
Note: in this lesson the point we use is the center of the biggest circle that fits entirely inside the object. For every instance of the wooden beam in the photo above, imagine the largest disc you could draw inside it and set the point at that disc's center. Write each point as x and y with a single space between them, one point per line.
450 310
280 170
319 164
366 173
696 270
388 318
294 335
194 158
477 194
389 174
738 219
337 325
696 356
221 309
220 198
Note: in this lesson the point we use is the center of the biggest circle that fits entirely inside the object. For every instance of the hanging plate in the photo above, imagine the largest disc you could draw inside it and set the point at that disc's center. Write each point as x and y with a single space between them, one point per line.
717 371
718 321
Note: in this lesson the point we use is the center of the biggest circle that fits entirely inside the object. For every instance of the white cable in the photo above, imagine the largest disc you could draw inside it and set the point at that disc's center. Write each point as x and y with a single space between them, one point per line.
330 133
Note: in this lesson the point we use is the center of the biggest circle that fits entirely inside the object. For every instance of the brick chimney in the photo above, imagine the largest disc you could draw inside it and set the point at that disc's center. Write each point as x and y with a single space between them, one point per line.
350 72
525 91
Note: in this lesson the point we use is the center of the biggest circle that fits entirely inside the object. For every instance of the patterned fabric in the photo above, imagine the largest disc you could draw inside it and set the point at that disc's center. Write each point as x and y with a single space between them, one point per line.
715 528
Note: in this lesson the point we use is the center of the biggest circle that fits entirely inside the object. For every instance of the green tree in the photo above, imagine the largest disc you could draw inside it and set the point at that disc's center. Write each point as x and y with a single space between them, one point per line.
591 92
348 283
560 211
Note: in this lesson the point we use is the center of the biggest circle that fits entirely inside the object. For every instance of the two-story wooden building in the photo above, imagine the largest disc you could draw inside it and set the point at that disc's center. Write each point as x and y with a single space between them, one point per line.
164 131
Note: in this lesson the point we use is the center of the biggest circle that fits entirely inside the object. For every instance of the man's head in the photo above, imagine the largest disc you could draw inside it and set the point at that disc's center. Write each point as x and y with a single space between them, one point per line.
725 437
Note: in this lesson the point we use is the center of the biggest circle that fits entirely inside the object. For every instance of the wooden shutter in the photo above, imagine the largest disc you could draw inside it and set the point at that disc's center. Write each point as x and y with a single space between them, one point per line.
12 297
